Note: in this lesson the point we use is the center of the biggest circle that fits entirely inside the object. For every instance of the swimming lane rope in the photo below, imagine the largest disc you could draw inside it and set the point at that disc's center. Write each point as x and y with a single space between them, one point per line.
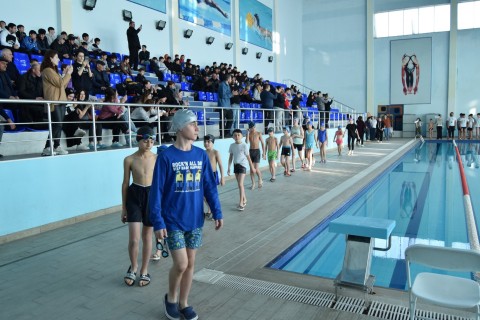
469 215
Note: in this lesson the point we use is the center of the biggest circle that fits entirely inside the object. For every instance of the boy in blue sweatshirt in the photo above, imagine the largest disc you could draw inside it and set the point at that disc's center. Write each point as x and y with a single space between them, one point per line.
176 208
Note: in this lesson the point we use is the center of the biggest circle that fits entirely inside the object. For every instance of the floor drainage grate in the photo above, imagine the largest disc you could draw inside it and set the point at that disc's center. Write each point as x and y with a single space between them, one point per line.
316 298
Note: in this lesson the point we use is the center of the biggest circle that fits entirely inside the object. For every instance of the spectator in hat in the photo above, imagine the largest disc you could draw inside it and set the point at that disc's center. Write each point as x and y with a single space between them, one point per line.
100 80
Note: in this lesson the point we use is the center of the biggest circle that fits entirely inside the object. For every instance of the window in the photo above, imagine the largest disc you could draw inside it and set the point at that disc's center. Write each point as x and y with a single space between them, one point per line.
413 21
469 15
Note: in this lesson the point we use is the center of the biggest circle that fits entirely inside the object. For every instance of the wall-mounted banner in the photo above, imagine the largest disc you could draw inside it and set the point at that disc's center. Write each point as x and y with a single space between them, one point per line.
255 23
211 14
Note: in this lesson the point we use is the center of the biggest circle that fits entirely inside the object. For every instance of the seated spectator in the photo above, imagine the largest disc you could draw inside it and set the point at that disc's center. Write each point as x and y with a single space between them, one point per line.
154 68
162 66
112 64
59 46
144 55
100 80
84 48
96 46
180 99
189 70
31 87
125 66
257 91
42 41
7 91
71 46
147 116
245 95
176 67
85 38
12 69
104 57
78 118
4 118
8 38
112 117
82 76
3 25
140 78
29 44
20 33
51 37
201 83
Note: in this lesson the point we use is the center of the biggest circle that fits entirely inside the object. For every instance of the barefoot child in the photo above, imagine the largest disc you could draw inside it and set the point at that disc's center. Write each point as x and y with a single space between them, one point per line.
322 142
216 162
286 144
310 138
134 204
430 129
297 136
272 150
338 138
254 138
177 213
241 159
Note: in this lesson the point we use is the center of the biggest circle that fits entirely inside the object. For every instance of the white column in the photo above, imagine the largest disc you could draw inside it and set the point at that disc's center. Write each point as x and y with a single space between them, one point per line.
452 58
175 33
370 63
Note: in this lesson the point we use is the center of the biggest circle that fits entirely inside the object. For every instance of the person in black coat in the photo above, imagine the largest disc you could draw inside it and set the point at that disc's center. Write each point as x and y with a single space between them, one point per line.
100 80
31 87
133 44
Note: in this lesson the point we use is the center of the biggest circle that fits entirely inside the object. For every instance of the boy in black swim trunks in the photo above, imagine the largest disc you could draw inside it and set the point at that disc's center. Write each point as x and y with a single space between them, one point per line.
134 204
254 138
286 144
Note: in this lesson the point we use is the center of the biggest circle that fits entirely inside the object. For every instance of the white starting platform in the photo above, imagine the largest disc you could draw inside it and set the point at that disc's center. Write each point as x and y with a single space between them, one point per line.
361 233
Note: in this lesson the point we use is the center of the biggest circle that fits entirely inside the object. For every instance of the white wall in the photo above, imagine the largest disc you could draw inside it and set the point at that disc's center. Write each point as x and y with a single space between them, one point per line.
105 21
468 71
439 74
334 49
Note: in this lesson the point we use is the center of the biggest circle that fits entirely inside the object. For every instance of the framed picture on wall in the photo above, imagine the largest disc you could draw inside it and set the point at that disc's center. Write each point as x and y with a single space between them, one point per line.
411 71
214 15
255 23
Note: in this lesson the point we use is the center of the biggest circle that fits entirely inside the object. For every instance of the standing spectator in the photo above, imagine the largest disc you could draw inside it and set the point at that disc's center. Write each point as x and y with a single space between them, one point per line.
439 126
54 87
296 109
361 130
31 87
8 38
133 44
279 108
82 75
235 105
451 124
51 37
225 109
29 43
380 127
388 127
42 41
327 102
144 55
373 128
267 99
352 135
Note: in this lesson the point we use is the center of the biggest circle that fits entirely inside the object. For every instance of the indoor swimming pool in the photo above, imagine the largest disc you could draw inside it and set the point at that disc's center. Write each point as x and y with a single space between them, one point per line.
422 192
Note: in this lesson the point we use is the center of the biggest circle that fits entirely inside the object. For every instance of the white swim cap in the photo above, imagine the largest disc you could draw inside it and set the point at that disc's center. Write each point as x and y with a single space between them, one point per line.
182 118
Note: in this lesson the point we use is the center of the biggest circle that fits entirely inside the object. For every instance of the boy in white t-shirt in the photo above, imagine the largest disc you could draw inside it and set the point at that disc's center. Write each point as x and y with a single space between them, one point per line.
451 124
241 159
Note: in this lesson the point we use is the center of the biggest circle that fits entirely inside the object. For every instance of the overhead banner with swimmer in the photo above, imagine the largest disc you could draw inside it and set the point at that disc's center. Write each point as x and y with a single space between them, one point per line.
411 71
256 23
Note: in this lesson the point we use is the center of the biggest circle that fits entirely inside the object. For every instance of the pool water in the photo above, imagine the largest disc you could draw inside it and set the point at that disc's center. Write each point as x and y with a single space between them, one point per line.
422 192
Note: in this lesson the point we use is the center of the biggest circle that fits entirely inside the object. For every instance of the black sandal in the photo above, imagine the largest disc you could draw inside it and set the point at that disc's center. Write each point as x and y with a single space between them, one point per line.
130 276
146 280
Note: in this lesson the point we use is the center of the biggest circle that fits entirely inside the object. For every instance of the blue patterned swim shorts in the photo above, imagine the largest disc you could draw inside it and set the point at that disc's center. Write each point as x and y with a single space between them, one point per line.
178 239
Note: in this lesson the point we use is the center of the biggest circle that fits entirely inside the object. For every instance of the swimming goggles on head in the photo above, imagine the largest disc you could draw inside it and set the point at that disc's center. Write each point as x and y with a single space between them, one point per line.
146 136
163 247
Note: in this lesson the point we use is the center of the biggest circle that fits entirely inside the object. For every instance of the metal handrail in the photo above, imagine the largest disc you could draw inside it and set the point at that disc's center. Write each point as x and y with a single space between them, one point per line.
316 116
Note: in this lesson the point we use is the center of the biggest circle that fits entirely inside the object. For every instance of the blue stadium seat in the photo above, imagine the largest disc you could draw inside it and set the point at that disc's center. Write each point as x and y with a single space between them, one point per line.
125 77
67 61
202 96
215 96
22 61
176 78
209 96
185 86
37 57
200 117
167 77
115 79
259 117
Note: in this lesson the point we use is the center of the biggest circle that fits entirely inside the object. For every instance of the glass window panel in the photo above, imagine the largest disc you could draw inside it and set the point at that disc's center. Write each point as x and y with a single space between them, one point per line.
410 21
395 23
466 15
442 18
426 19
381 25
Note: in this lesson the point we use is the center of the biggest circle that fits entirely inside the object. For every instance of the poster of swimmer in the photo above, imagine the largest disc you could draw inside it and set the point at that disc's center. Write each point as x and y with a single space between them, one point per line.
411 71
211 14
158 5
256 23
